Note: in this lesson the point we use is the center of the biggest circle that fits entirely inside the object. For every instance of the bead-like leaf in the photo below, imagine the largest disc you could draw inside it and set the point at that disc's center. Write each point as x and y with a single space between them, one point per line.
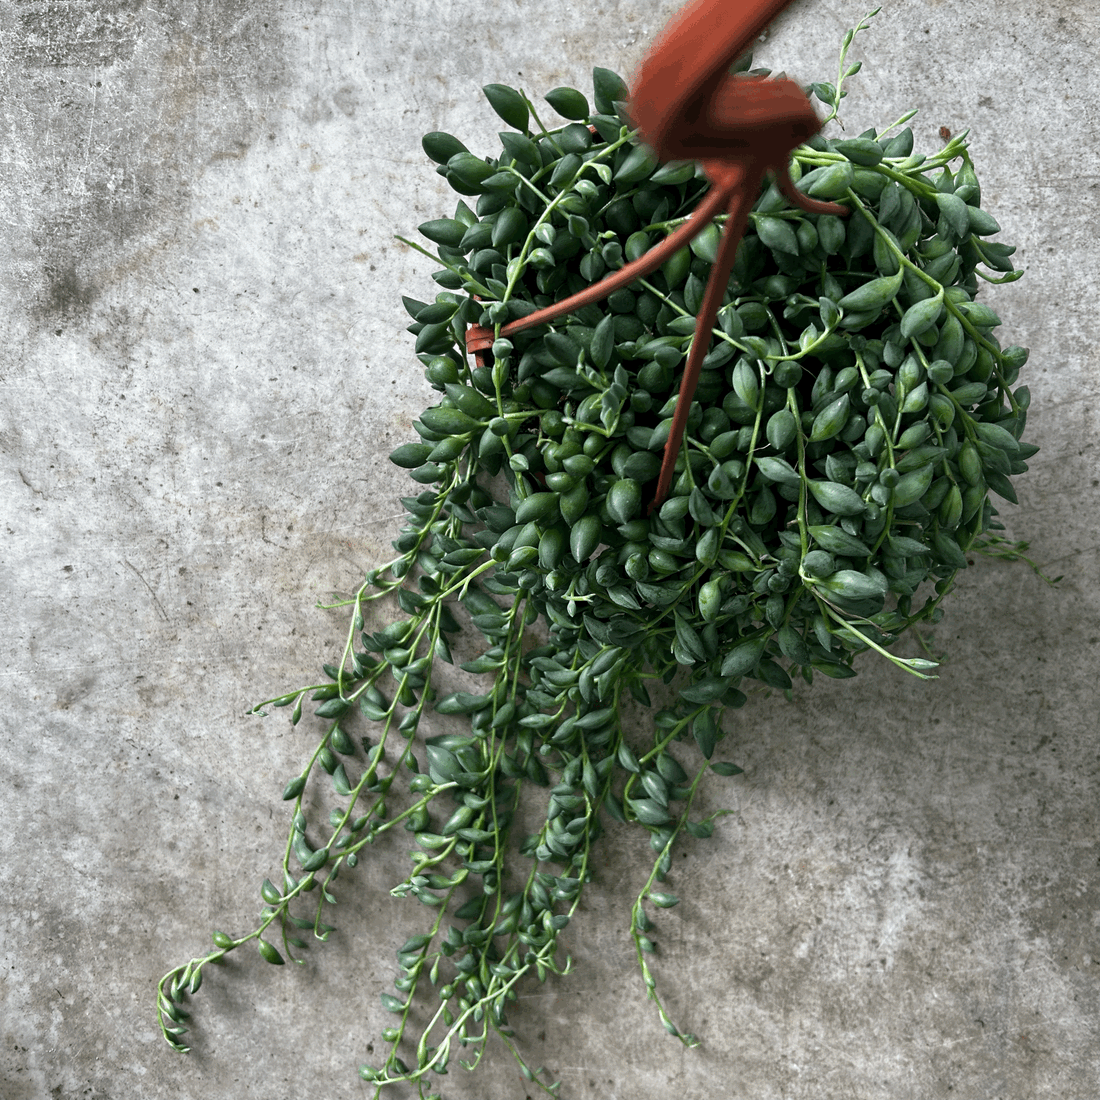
569 103
269 953
509 104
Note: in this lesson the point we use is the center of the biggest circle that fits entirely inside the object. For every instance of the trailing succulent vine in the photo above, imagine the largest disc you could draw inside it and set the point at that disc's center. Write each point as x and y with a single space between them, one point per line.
850 420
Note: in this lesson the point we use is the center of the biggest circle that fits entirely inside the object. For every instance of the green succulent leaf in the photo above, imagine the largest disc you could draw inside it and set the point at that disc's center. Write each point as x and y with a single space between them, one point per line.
509 104
569 103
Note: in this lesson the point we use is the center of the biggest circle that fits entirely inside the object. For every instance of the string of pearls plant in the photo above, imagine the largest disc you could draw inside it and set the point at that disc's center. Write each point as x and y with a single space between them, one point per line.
849 423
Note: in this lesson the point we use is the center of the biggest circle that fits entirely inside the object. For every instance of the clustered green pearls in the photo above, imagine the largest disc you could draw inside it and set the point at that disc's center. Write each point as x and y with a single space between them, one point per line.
852 415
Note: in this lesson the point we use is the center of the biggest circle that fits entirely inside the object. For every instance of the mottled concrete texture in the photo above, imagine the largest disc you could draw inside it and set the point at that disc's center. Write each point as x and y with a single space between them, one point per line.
204 363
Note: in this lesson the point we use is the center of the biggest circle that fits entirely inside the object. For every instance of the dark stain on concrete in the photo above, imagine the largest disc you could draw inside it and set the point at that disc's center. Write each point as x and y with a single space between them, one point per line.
67 294
74 690
121 108
76 32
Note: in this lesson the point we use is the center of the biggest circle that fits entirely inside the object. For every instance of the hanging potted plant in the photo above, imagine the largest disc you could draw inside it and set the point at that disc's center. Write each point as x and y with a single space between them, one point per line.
601 528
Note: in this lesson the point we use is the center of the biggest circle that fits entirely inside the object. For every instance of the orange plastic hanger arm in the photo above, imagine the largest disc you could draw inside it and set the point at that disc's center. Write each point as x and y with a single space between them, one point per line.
687 105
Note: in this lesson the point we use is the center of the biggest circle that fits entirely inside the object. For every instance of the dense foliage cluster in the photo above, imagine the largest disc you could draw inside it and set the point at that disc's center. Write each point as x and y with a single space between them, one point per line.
852 415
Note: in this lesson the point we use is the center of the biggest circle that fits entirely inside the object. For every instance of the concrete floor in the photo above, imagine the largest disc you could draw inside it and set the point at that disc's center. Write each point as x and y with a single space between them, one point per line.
204 363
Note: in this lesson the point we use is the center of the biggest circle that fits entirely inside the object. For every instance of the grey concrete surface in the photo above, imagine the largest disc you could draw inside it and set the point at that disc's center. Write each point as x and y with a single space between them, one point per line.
203 364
